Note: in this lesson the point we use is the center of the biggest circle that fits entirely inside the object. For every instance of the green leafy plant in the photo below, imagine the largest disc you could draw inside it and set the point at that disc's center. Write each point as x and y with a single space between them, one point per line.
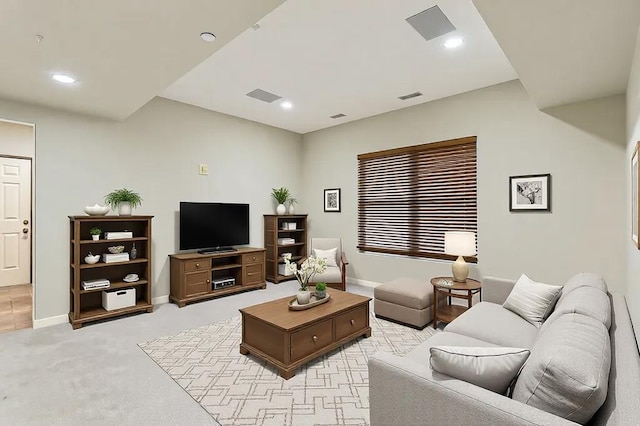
280 194
321 286
123 195
95 231
292 200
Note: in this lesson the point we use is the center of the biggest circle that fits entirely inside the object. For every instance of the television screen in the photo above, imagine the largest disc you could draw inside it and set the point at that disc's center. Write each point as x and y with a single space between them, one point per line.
210 226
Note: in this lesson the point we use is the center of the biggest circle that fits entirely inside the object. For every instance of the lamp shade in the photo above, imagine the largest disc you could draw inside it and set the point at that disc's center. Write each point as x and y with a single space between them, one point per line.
460 243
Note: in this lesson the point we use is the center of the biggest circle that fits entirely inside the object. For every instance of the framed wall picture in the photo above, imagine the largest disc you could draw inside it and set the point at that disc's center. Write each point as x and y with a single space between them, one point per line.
530 193
332 200
635 193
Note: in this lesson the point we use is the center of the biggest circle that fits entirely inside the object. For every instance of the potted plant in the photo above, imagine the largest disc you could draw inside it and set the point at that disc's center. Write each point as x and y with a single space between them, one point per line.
124 200
321 290
95 233
292 201
311 266
281 195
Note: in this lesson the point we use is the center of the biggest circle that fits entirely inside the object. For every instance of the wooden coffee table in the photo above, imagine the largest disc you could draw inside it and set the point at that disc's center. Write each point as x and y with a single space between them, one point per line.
287 339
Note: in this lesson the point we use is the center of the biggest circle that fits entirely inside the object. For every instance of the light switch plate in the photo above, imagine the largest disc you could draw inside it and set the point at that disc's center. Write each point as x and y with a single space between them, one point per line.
203 169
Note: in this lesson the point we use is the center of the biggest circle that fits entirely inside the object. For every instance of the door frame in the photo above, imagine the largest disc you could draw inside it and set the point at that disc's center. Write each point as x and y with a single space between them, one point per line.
32 213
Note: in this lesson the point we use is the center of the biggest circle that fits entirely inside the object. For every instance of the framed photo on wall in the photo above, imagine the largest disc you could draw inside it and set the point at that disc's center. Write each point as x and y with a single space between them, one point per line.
530 193
332 200
635 193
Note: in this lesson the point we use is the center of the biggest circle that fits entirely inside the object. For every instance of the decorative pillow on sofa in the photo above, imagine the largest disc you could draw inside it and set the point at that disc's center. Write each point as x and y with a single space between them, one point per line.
492 368
328 255
531 300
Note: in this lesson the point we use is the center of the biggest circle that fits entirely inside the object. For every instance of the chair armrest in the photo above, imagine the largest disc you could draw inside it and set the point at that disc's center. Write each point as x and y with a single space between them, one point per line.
343 259
402 392
496 290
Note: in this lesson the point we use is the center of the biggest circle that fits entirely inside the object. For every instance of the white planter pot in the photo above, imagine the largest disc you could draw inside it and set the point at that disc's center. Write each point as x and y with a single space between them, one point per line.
95 237
292 210
281 209
124 209
303 297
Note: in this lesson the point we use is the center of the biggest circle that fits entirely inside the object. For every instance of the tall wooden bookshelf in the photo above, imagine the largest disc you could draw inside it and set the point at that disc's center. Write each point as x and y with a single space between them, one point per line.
86 305
277 227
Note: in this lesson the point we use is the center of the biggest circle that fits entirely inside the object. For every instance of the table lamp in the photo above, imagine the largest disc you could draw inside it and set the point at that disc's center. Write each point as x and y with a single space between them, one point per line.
460 243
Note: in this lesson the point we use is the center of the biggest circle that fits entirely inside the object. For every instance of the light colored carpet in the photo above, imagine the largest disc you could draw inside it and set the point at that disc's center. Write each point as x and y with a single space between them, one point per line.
243 390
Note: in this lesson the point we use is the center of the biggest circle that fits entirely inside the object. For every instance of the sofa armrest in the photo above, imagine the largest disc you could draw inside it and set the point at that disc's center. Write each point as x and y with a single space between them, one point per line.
403 392
496 290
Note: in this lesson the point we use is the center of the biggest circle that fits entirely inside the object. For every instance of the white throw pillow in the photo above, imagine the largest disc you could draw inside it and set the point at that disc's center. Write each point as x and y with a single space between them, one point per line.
492 368
329 255
531 300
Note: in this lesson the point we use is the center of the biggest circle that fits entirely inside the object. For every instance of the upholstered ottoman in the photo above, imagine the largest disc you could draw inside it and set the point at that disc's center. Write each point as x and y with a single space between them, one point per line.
405 300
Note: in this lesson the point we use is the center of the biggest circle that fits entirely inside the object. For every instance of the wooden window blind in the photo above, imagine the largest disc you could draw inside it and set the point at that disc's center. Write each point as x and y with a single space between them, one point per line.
408 197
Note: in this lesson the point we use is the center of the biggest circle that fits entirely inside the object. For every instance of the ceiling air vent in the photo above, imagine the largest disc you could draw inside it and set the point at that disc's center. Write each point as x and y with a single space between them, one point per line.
409 96
431 23
263 95
338 115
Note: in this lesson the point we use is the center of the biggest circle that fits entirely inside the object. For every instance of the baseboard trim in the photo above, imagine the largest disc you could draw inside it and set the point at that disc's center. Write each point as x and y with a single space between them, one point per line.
48 322
365 283
160 300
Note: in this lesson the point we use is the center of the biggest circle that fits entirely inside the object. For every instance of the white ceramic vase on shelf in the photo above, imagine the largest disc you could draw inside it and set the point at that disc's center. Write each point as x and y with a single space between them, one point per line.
281 209
292 209
303 297
124 209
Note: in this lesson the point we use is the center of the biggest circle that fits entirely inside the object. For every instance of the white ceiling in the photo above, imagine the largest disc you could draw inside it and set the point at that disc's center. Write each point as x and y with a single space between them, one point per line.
122 52
569 50
327 57
333 56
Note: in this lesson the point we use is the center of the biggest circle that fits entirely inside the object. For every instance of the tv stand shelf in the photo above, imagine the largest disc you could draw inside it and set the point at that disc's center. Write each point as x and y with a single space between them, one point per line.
193 274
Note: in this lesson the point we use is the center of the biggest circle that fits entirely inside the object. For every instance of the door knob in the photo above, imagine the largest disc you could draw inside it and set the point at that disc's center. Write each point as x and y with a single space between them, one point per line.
25 230
25 222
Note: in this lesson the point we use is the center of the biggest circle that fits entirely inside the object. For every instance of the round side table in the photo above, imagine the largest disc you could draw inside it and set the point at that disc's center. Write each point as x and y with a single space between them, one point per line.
449 312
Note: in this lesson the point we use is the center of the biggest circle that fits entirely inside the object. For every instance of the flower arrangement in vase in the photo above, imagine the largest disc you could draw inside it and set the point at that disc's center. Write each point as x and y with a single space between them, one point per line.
281 195
311 266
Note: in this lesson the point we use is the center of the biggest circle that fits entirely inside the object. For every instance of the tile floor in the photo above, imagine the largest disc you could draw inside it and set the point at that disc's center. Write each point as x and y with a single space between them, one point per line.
15 307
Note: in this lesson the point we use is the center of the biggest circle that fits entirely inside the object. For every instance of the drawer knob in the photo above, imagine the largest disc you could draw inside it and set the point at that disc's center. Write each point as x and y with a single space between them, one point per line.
208 281
197 265
315 338
254 258
352 322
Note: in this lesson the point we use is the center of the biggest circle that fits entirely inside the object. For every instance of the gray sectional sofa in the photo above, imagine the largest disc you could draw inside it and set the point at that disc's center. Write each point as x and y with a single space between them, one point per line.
583 359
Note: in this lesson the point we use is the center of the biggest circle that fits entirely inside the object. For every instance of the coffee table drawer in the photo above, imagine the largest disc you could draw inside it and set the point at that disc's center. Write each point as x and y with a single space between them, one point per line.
310 339
350 322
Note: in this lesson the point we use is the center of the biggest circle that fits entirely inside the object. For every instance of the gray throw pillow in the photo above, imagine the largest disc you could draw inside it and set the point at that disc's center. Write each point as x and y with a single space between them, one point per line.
492 368
531 300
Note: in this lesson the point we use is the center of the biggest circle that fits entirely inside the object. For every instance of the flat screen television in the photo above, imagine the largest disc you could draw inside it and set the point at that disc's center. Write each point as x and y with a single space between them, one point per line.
211 227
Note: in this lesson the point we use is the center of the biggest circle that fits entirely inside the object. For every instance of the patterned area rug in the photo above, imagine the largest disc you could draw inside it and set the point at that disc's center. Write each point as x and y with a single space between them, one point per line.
243 390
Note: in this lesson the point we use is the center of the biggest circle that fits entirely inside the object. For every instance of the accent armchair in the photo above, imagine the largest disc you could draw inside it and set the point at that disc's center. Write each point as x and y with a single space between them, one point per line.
335 275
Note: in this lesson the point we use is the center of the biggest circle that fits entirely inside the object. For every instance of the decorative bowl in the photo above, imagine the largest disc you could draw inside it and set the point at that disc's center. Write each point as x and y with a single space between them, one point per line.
115 249
97 210
92 259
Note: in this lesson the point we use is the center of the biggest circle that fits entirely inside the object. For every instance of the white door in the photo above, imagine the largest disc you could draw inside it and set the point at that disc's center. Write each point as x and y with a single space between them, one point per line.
15 221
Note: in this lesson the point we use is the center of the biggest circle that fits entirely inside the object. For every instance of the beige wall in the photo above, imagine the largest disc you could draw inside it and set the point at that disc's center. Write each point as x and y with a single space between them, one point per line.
155 152
581 145
17 139
633 133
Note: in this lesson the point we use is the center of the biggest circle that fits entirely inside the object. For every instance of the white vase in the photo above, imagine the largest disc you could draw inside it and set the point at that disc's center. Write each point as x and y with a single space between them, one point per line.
292 209
95 237
281 209
303 297
124 209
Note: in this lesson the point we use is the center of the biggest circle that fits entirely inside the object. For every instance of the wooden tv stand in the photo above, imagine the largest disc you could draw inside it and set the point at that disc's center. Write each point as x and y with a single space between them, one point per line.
193 275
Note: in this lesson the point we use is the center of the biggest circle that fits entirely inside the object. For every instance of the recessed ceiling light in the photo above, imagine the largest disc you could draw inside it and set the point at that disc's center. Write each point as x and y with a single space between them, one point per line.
453 42
63 78
207 36
286 105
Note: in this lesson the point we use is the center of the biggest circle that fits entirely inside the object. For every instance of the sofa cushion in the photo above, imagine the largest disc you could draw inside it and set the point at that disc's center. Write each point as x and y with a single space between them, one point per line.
494 324
492 368
531 300
584 279
589 301
568 369
420 354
